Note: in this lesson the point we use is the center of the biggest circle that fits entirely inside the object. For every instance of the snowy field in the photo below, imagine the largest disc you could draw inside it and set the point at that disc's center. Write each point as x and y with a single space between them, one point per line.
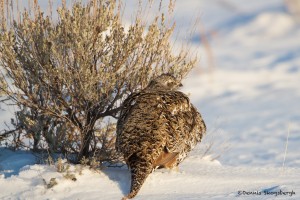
249 100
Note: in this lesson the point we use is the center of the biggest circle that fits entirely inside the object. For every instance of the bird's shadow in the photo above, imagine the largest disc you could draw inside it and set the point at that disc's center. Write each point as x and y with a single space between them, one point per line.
120 175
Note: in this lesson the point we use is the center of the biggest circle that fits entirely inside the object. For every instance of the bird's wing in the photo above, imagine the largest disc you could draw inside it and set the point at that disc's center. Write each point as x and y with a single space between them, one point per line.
141 125
127 106
184 122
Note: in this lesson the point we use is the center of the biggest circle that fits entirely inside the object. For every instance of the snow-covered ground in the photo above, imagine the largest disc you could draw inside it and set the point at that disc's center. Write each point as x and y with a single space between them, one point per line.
249 100
196 179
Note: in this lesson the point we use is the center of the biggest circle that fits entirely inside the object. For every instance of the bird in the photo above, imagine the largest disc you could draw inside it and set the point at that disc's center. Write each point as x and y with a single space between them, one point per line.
157 127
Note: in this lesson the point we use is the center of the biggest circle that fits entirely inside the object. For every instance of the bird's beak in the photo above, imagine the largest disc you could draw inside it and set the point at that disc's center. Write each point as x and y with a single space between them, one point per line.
180 85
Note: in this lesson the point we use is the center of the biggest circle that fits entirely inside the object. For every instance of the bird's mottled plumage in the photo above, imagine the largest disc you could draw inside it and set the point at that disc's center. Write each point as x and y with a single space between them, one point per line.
157 128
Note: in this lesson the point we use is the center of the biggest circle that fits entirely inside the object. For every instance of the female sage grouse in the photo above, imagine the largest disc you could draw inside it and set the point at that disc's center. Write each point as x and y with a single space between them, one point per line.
157 128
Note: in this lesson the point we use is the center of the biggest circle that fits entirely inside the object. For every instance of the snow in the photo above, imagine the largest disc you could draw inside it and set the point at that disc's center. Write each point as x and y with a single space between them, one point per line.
198 178
249 101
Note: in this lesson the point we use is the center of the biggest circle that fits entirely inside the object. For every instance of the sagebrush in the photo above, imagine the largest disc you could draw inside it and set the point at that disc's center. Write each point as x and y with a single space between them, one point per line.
68 75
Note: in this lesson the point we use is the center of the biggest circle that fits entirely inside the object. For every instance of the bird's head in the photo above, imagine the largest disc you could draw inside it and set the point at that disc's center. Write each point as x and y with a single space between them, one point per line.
164 82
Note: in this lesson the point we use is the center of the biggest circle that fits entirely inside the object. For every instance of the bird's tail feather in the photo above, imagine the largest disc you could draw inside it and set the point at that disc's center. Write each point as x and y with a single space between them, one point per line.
140 169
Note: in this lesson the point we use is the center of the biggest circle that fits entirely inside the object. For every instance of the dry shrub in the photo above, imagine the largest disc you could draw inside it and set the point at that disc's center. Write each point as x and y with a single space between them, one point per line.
69 74
293 7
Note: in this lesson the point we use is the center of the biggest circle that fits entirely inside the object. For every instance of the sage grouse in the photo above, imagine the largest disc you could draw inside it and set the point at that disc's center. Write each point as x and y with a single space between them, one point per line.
157 128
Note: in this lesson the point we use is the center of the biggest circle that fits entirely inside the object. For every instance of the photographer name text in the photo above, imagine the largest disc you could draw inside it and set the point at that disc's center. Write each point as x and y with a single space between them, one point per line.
259 193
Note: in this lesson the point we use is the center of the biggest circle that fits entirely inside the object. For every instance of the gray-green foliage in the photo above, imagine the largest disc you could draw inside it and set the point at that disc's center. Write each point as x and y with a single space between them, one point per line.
67 75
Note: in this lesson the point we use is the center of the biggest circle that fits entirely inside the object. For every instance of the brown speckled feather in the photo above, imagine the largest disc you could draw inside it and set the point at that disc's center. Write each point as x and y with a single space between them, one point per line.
157 128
